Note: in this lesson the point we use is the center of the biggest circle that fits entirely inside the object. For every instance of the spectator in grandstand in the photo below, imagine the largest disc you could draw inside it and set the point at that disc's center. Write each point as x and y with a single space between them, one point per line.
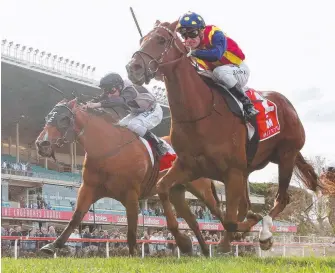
207 214
153 246
31 245
200 213
4 167
86 235
151 212
23 203
49 206
146 245
158 211
170 246
16 232
43 233
95 235
73 205
103 235
52 232
3 231
215 238
144 212
75 235
161 247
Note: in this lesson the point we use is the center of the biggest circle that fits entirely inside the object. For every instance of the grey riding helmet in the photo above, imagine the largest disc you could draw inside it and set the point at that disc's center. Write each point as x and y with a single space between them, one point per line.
111 80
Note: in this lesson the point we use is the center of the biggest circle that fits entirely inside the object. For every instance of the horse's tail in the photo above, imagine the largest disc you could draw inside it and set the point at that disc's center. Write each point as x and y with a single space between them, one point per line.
306 173
216 197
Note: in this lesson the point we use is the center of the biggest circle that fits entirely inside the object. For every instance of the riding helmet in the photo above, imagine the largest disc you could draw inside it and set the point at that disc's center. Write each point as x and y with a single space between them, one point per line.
112 80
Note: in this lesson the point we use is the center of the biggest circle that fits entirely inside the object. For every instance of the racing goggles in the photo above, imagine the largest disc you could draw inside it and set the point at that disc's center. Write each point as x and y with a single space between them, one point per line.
189 33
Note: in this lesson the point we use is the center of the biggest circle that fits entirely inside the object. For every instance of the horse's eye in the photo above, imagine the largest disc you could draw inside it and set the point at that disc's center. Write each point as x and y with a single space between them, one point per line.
161 40
64 122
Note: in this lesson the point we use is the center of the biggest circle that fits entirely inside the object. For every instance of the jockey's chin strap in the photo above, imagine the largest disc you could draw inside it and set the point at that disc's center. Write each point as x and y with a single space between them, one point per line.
148 72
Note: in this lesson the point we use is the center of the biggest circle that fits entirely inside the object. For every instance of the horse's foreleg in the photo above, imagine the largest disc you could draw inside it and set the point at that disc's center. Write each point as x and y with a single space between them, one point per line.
235 189
132 206
86 196
176 175
177 195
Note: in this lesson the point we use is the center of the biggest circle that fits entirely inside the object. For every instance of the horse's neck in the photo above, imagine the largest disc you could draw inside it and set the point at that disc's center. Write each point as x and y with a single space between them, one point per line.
99 136
189 97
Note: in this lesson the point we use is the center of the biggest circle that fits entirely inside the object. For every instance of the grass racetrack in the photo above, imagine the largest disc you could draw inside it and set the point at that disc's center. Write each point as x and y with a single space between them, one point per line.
155 265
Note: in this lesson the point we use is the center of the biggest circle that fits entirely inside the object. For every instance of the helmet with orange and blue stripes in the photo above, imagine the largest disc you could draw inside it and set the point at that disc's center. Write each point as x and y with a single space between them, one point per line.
191 20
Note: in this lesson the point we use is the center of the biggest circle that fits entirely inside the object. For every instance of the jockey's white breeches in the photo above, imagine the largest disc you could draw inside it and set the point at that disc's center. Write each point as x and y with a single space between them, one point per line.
229 75
142 122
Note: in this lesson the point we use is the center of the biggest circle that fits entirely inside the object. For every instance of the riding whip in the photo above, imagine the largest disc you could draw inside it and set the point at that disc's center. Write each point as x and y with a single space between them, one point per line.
135 20
56 89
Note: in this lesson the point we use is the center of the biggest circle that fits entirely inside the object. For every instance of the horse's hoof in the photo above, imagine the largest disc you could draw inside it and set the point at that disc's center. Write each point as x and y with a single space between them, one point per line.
266 244
205 252
224 248
49 249
185 244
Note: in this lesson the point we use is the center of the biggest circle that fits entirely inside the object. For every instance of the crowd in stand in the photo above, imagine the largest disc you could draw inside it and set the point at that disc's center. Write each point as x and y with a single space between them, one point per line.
39 204
20 168
94 248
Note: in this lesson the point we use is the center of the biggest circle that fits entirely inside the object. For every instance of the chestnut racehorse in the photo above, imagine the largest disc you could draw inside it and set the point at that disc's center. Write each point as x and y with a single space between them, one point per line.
116 165
210 141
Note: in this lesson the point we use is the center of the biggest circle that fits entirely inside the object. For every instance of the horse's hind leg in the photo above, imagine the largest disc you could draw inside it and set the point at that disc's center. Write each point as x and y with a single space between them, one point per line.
285 166
177 197
131 204
86 196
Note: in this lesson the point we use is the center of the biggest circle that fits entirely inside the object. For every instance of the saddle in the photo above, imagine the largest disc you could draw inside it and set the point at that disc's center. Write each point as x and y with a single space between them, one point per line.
236 108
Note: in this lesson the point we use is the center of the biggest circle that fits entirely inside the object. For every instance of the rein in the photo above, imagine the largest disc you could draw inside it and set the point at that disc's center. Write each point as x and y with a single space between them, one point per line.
149 74
80 132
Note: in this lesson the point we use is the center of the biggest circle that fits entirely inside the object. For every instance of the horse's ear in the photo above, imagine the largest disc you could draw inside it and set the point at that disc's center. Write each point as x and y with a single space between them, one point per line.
174 25
157 23
72 103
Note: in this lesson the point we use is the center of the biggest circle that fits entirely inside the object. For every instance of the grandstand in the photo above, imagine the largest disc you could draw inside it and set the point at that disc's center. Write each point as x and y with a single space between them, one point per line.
36 191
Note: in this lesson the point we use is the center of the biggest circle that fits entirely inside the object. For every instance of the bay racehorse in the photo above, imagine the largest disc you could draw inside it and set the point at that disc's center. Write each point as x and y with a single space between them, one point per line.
211 141
116 165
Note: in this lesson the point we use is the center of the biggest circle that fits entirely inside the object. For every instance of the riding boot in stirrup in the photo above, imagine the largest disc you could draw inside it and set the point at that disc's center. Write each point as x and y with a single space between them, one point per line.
248 107
154 140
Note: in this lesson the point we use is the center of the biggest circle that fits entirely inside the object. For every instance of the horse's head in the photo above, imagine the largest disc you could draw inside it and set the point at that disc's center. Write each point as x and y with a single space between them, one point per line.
161 46
59 128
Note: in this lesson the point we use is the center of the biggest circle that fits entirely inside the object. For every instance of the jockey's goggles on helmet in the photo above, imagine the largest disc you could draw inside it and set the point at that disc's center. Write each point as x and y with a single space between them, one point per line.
110 89
189 33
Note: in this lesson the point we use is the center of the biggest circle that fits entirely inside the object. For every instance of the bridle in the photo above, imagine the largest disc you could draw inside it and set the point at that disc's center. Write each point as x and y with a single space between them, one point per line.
148 72
69 132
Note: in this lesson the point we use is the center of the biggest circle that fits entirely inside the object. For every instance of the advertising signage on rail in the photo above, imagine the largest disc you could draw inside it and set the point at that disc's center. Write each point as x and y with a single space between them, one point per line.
149 221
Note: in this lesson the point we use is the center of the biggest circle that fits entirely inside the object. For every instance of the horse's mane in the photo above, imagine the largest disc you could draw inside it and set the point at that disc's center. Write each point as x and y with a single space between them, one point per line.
107 116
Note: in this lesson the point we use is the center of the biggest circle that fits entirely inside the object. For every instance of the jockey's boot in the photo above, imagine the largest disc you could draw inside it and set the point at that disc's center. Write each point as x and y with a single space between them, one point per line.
158 143
248 107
